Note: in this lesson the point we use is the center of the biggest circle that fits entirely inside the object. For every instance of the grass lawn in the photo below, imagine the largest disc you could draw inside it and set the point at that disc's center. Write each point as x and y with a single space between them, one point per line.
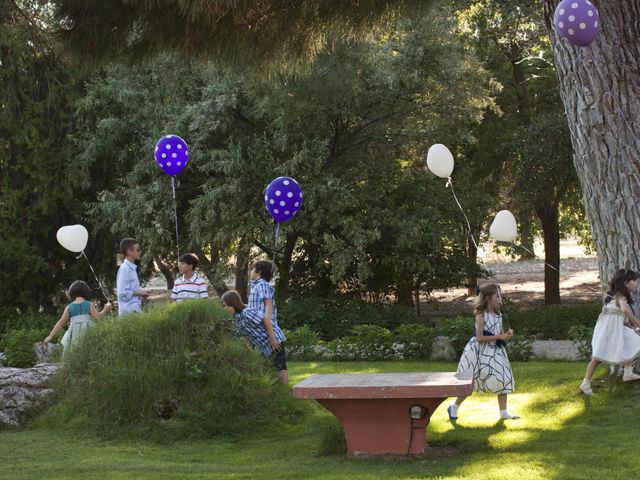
562 435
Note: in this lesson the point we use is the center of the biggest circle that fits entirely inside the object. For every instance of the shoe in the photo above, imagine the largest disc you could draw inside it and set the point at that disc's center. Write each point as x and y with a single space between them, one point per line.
508 416
630 377
451 416
585 386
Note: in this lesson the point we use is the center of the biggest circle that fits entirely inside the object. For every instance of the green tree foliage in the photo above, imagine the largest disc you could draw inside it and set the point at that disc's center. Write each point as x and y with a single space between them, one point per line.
37 91
352 131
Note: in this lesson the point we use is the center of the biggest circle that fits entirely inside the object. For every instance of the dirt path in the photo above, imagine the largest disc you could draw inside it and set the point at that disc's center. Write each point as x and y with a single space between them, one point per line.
523 283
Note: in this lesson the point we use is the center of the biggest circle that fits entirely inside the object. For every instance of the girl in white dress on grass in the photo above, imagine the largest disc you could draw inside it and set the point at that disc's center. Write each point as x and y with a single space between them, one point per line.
485 356
614 339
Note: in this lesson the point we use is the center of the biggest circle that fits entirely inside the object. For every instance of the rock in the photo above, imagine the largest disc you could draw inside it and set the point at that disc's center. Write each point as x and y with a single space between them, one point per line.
23 391
52 352
442 349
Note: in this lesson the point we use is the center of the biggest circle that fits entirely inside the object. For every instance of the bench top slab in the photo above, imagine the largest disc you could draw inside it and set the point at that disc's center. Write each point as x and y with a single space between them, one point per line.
384 385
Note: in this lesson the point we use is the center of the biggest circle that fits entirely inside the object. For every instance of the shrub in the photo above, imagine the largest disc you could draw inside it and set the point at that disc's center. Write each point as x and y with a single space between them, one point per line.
333 317
416 339
11 320
582 335
301 343
459 330
172 371
368 342
17 346
520 348
552 322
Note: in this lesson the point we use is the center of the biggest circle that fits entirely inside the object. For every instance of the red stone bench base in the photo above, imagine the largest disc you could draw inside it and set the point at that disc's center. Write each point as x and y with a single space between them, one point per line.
383 413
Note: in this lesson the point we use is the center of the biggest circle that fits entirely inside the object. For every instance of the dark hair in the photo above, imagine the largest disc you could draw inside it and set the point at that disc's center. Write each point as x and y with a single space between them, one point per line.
617 286
190 259
79 289
127 244
233 299
265 269
484 295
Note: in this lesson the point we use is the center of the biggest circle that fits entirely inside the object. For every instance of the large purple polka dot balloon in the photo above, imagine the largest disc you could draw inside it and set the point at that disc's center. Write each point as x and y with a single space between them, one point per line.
172 154
578 21
283 198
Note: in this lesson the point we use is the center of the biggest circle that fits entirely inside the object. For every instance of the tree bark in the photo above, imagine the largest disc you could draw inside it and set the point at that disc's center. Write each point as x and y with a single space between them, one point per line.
549 217
284 271
166 271
242 270
600 87
208 267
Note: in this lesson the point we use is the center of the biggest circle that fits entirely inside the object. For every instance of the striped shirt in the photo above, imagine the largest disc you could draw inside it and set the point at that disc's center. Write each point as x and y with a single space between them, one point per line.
250 323
194 287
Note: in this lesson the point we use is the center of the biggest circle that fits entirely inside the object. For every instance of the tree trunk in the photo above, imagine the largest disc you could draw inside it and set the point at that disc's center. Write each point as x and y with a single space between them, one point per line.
600 87
548 215
284 271
166 271
526 235
242 270
472 255
208 267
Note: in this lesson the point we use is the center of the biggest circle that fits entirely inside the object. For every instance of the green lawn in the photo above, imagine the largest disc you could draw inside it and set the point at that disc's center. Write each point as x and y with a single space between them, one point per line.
561 435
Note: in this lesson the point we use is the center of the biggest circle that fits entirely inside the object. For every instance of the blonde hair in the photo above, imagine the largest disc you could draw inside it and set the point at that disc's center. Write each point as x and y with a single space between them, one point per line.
486 293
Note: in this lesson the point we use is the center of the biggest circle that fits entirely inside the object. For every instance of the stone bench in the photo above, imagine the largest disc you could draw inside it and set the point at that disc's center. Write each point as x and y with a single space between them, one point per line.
383 413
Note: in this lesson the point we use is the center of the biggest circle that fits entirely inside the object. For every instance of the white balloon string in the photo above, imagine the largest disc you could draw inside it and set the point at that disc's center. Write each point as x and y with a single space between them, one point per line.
175 213
450 184
275 242
104 292
551 266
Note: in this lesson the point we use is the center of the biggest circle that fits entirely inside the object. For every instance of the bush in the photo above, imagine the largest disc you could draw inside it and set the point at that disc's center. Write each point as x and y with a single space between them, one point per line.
582 335
459 330
552 322
301 343
173 371
17 346
333 317
416 340
520 348
11 320
368 342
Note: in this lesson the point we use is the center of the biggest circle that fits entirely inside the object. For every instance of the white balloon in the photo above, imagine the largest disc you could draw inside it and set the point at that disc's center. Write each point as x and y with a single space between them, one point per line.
504 227
73 237
440 160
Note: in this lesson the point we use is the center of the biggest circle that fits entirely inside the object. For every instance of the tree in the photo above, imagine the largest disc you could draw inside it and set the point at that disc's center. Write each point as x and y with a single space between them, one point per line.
600 88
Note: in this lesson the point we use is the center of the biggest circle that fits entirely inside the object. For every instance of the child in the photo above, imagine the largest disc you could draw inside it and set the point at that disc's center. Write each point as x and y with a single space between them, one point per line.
485 355
130 294
189 285
80 312
250 324
613 342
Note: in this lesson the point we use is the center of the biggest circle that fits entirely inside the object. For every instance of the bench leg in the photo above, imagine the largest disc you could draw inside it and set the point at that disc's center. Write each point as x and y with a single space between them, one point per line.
383 426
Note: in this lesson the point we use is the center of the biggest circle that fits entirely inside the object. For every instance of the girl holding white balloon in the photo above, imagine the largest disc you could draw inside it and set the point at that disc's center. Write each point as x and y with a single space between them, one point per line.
80 313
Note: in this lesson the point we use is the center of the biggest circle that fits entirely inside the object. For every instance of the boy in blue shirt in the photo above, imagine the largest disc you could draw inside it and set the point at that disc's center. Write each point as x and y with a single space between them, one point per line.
130 294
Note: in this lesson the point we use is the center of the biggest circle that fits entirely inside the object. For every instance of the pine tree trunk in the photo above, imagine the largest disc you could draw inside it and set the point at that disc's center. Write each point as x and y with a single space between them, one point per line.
600 88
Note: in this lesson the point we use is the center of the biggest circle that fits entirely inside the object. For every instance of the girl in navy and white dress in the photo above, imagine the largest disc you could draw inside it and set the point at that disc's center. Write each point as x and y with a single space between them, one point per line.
614 339
485 356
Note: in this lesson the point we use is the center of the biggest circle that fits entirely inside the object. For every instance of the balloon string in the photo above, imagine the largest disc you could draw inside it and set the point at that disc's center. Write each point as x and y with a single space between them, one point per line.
104 292
175 213
450 184
275 242
551 266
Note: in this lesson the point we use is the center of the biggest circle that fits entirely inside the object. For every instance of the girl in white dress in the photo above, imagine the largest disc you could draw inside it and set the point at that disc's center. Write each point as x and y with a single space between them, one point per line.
614 339
485 355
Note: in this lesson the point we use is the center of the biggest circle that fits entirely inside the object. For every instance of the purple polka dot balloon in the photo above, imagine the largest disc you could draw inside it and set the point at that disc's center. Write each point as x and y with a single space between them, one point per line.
283 198
578 21
172 154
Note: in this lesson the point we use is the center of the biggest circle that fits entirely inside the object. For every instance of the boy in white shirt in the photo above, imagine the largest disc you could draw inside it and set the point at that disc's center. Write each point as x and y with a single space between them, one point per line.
189 285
